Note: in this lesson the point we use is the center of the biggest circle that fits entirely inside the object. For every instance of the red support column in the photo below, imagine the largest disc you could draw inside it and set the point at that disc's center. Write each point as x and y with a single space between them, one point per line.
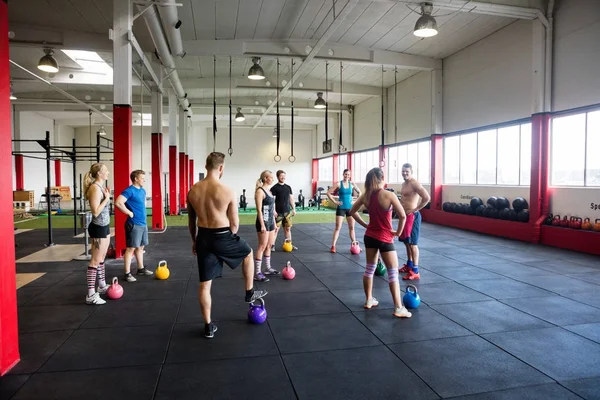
349 160
157 197
315 176
19 172
540 164
437 171
186 180
182 192
57 173
191 166
173 208
336 168
9 332
122 164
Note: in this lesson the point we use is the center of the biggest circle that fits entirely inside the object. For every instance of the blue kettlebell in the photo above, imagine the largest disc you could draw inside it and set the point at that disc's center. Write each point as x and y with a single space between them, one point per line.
411 298
257 314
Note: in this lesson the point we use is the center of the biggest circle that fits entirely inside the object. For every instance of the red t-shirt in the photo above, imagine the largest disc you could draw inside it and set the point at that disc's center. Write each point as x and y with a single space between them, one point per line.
380 220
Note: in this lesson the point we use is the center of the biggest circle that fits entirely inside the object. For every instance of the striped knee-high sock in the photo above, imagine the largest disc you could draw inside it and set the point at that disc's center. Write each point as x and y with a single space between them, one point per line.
257 266
268 262
101 275
91 280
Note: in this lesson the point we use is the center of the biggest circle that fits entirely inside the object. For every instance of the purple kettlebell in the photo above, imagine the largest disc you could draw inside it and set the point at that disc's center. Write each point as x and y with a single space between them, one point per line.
257 314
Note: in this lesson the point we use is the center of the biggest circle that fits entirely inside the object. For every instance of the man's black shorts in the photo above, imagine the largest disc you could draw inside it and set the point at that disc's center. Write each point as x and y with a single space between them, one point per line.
217 246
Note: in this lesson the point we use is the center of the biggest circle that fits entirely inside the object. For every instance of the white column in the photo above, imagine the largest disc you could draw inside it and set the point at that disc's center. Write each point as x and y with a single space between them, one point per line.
173 109
122 23
538 67
436 102
182 132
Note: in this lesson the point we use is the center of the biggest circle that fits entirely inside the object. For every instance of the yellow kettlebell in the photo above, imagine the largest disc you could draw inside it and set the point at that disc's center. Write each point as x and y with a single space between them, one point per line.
287 246
162 272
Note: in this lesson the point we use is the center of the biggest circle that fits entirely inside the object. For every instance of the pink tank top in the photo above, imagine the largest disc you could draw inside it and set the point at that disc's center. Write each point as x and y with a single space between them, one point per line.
380 220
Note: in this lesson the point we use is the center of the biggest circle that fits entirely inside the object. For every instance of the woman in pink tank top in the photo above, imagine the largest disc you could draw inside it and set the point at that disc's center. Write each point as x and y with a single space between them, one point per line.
379 237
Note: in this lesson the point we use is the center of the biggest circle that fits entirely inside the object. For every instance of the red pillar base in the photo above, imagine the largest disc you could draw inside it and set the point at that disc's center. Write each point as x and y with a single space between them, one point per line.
19 172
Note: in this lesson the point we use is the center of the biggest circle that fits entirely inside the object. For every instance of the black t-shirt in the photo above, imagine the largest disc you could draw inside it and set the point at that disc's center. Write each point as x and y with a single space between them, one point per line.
282 197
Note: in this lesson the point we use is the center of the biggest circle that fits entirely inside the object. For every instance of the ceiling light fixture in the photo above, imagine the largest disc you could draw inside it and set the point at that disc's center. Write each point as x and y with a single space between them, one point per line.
102 131
274 132
256 72
12 94
320 102
239 117
426 25
48 63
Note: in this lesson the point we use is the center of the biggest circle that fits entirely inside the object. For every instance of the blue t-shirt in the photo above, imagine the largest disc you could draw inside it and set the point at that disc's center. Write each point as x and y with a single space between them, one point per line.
136 203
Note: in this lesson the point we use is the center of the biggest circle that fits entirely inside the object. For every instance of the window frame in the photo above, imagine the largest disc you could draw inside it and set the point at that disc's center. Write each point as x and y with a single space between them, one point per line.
395 146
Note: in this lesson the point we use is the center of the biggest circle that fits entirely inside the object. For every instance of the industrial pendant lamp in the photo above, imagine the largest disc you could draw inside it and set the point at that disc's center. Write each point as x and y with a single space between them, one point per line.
48 63
12 94
274 132
320 102
256 72
102 131
426 25
239 117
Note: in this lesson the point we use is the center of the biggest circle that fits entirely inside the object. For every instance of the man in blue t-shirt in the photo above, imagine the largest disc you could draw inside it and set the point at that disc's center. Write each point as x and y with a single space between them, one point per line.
132 201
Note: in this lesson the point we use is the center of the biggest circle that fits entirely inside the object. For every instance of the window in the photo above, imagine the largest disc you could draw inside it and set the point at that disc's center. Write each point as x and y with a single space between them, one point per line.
326 169
492 157
363 162
574 148
417 154
342 165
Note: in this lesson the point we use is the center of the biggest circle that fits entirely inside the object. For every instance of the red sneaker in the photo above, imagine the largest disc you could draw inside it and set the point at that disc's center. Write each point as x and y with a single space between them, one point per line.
411 276
405 269
332 250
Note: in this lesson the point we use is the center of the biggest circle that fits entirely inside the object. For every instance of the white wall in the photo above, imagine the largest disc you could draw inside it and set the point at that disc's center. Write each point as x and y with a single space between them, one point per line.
460 193
333 131
413 109
490 81
577 202
367 124
64 137
576 54
253 152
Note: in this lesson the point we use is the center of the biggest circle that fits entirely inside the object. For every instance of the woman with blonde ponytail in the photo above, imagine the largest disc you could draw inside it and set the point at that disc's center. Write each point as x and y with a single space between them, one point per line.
379 237
99 230
265 226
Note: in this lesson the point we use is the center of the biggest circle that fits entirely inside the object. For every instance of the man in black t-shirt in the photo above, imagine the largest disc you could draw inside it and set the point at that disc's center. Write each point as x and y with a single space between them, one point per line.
284 202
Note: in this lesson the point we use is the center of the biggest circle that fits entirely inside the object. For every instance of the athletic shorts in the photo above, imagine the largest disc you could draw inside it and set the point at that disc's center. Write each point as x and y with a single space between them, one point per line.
341 212
136 235
98 231
217 246
412 227
269 226
284 219
372 243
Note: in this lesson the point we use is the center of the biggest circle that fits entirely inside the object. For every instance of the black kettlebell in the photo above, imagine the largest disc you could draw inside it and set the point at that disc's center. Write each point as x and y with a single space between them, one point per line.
548 220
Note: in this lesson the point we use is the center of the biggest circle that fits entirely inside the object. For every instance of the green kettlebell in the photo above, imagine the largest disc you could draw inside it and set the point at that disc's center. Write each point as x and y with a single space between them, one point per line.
380 270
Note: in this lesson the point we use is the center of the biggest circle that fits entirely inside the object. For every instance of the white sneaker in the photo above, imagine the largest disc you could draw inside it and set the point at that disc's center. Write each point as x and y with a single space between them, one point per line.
402 312
371 303
129 278
102 290
94 299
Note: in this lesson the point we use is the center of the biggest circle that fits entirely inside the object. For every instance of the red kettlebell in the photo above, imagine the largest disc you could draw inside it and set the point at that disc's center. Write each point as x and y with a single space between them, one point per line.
587 225
577 222
115 291
556 220
597 225
355 248
564 222
288 272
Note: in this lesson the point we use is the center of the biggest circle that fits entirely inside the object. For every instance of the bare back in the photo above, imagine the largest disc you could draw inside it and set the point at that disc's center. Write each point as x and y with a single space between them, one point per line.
213 203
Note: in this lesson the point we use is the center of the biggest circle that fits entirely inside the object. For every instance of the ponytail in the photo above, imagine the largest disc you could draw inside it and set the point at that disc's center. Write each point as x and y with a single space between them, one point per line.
374 178
259 183
90 177
263 176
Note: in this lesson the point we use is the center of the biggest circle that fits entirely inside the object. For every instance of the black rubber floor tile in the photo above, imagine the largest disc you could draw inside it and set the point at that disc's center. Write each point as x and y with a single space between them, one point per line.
36 348
586 388
304 282
592 277
521 256
539 392
224 308
109 383
362 373
221 287
10 384
466 365
133 313
515 270
320 332
233 339
556 352
354 299
319 256
465 273
448 293
239 378
505 288
352 280
590 331
51 278
60 295
591 298
27 293
53 318
562 267
476 259
338 267
556 310
425 324
489 316
111 347
52 266
296 304
153 290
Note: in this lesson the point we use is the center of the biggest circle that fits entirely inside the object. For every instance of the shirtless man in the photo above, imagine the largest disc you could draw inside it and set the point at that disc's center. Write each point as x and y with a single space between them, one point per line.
213 222
414 198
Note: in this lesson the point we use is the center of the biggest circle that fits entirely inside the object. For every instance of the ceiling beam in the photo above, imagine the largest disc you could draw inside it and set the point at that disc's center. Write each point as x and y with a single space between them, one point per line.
286 49
34 36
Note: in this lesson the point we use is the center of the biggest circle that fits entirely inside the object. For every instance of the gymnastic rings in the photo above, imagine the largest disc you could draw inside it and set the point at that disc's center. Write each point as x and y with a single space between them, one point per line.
230 151
381 164
277 158
292 158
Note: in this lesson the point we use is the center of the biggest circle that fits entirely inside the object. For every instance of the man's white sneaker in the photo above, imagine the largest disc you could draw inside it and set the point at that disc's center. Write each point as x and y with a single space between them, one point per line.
95 299
402 312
